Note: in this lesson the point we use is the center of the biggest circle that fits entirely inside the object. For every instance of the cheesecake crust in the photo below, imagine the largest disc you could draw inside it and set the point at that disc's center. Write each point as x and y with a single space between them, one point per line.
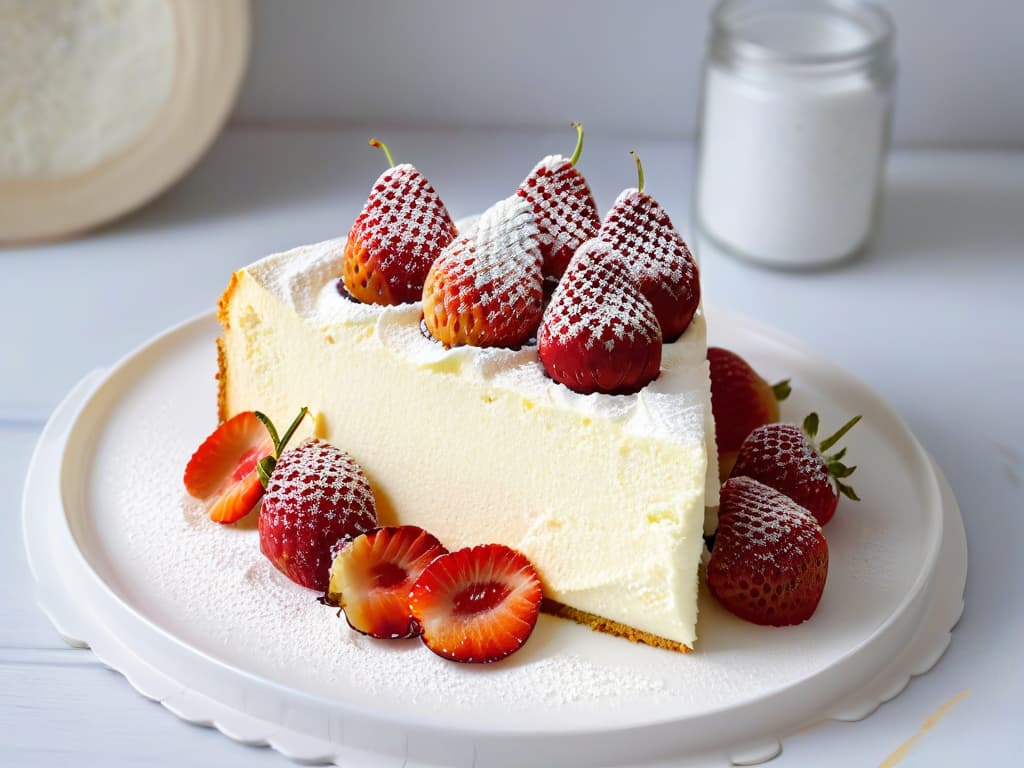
601 624
222 367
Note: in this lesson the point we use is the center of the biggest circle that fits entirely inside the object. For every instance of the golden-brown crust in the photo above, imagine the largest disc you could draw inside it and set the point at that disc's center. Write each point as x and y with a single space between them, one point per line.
222 382
222 368
601 624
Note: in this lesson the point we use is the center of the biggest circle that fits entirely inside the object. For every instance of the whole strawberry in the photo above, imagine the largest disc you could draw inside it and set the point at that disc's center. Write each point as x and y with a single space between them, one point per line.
317 499
785 457
401 230
486 288
599 333
770 559
563 205
741 401
640 229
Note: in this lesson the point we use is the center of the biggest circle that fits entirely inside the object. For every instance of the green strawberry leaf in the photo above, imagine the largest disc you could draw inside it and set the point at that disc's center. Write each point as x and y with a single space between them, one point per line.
847 491
781 390
811 425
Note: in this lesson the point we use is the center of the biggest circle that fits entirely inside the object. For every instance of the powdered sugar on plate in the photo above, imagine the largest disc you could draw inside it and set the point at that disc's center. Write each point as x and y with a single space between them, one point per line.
209 586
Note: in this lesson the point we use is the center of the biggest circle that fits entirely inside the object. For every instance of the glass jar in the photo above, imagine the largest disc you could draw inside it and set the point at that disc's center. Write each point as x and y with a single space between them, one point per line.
794 129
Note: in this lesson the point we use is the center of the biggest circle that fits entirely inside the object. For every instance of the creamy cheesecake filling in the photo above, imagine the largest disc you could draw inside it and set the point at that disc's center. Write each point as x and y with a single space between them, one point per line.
605 494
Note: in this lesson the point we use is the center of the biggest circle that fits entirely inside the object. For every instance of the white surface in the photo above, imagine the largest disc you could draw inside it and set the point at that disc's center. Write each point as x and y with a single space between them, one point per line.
624 69
196 618
929 319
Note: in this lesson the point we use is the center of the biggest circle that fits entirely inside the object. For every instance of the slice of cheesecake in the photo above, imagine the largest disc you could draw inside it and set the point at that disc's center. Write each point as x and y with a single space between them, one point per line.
606 494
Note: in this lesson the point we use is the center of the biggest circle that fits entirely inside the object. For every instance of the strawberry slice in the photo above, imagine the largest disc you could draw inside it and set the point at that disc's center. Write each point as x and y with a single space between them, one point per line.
371 578
478 604
222 472
486 288
770 559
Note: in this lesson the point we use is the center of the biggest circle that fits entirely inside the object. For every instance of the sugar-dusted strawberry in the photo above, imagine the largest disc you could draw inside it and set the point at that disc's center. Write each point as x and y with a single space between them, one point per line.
567 215
741 401
640 229
478 604
785 457
401 230
225 471
770 559
371 578
317 500
486 288
599 333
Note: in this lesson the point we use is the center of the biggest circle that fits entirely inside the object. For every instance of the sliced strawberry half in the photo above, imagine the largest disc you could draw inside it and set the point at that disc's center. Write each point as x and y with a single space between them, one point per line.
371 578
222 472
478 604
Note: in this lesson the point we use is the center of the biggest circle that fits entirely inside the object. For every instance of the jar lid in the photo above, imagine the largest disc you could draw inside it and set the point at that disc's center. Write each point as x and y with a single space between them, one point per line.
806 35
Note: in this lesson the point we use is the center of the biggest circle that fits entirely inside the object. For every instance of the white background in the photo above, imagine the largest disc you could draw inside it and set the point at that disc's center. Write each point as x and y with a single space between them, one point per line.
627 69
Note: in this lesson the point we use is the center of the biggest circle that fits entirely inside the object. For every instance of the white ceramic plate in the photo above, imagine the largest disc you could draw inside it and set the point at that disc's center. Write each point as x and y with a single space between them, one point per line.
212 47
125 567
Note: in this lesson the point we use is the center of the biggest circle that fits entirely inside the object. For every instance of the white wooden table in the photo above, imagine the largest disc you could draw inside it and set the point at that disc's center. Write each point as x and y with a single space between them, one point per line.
932 319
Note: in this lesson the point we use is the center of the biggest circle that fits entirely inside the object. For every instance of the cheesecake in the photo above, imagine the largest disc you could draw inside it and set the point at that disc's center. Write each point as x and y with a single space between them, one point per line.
607 495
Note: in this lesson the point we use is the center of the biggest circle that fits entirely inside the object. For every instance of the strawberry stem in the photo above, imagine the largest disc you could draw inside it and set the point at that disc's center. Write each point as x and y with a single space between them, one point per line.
265 466
639 171
381 145
291 431
828 442
579 143
265 420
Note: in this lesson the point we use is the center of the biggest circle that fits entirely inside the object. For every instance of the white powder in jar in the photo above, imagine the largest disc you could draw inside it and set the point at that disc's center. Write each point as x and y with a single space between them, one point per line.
792 158
80 81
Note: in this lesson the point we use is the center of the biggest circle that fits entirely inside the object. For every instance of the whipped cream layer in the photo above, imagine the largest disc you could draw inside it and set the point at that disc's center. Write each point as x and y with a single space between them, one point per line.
606 494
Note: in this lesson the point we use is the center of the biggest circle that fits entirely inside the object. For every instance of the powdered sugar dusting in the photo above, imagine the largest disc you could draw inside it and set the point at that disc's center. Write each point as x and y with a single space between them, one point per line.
596 302
566 213
495 269
225 595
773 528
642 232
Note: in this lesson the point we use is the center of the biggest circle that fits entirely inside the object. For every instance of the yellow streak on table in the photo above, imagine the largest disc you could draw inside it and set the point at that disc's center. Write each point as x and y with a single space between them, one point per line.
930 723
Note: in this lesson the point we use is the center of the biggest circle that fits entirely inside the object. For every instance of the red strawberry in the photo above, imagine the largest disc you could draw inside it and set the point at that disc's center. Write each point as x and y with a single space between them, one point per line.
566 213
741 401
222 471
770 558
639 229
317 498
486 288
478 604
786 458
371 578
599 334
401 230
